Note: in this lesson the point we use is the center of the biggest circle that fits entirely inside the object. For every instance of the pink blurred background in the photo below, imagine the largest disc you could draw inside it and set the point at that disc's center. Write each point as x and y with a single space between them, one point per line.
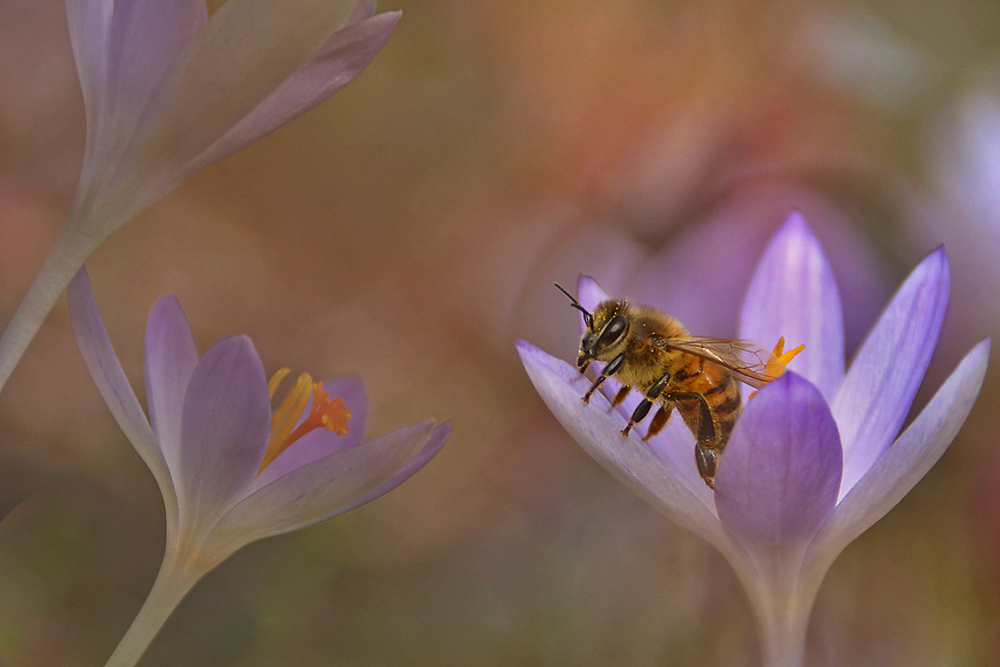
409 230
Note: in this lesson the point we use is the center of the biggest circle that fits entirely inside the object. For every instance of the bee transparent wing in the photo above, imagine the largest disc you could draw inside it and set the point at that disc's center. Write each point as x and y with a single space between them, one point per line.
743 358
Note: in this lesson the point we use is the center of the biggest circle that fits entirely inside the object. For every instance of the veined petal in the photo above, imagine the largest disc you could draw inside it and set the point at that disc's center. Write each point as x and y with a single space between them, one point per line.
876 394
336 64
793 294
778 479
629 459
146 38
99 356
317 491
244 52
434 444
321 442
89 30
170 359
907 461
224 430
589 293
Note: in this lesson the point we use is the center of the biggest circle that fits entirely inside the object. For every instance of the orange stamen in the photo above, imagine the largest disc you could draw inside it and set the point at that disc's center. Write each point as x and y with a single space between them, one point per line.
775 366
324 413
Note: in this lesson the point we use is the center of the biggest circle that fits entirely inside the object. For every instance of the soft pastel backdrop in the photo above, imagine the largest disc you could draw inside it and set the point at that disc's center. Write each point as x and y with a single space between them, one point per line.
409 230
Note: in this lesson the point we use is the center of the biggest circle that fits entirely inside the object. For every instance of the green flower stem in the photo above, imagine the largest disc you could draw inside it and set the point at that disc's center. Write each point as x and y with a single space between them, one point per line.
172 583
66 258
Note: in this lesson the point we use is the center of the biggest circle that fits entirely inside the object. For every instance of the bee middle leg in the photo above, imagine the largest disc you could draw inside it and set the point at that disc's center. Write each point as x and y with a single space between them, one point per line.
642 409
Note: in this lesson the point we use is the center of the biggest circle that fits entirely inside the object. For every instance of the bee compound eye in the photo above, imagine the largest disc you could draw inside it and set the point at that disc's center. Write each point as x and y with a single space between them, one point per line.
613 332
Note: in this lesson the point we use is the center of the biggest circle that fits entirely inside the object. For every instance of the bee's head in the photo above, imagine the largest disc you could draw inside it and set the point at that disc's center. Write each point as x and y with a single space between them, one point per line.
607 328
606 333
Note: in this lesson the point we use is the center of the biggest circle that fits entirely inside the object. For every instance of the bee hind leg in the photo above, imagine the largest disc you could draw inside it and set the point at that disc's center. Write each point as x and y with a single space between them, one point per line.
710 444
642 409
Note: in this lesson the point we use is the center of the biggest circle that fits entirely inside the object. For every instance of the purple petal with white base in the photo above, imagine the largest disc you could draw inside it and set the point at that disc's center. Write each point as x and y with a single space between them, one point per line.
910 458
876 394
224 429
320 490
599 432
793 295
590 293
100 359
779 476
434 444
170 359
336 64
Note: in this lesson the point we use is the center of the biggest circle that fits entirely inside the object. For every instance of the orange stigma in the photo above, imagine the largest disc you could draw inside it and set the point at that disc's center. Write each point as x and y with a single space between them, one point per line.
775 366
324 413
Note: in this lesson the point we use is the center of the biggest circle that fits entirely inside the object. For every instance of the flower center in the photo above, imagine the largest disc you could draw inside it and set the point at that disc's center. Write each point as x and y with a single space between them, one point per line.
324 413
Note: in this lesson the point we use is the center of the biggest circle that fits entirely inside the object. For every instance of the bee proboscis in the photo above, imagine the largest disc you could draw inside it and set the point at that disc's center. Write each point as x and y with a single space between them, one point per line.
651 351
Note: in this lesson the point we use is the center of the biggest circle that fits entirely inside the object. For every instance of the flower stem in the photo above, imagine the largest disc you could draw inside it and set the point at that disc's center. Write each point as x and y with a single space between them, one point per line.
66 258
172 583
783 635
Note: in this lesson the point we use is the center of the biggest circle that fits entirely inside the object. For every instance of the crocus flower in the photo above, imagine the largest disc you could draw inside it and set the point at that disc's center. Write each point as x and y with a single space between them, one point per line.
817 456
168 91
229 470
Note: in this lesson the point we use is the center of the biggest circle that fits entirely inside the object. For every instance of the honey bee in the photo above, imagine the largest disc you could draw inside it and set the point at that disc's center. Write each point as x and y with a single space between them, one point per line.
653 352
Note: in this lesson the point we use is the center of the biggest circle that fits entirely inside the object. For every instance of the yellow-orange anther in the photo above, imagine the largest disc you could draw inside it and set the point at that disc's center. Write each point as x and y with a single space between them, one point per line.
775 366
324 413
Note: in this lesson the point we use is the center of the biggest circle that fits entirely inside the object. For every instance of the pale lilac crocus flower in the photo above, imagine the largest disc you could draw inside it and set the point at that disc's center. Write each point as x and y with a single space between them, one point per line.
817 456
229 470
168 91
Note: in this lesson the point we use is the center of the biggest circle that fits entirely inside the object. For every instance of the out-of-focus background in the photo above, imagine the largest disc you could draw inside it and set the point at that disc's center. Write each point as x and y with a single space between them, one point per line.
409 230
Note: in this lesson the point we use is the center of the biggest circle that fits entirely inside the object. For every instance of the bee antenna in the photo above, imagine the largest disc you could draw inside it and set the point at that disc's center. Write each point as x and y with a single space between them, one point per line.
587 317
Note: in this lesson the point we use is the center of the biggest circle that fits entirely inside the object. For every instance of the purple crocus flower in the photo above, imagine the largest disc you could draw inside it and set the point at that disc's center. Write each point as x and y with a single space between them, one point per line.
168 90
817 456
229 471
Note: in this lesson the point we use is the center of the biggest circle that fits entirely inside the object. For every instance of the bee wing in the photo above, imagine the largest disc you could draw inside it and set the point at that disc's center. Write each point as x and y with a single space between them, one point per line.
743 358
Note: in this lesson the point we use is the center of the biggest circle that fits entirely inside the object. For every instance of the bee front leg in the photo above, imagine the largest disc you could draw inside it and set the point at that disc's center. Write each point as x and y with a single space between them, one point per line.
642 409
613 366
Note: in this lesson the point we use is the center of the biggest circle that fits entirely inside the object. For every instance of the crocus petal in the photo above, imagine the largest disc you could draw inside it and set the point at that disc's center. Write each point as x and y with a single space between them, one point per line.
170 359
318 491
908 460
589 293
245 51
778 479
793 294
147 37
335 65
319 443
875 396
89 27
99 356
629 459
363 9
434 444
224 431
